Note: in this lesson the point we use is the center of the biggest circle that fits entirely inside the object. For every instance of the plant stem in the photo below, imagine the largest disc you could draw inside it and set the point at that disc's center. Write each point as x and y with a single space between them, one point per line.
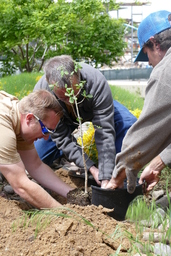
82 146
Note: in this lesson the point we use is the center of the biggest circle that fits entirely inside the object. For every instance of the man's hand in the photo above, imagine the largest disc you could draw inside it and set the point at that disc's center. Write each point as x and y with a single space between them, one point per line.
151 174
95 172
104 183
117 182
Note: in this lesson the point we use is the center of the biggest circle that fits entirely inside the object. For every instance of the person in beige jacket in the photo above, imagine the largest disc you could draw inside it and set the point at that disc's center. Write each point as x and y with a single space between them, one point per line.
149 138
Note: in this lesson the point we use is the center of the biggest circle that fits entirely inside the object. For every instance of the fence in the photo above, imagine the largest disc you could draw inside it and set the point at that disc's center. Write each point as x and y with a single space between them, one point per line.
127 74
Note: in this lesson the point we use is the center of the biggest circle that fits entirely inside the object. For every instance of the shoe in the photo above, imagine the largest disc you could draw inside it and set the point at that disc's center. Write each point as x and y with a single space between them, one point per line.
56 164
70 166
81 174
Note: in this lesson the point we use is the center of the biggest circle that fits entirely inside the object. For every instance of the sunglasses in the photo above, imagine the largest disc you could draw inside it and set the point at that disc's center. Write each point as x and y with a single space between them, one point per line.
45 130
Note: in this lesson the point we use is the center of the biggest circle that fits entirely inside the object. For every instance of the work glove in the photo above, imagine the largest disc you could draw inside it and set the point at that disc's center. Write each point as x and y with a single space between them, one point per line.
131 176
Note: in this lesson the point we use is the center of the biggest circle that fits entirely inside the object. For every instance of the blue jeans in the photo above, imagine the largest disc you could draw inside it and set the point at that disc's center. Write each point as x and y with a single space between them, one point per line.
47 150
123 120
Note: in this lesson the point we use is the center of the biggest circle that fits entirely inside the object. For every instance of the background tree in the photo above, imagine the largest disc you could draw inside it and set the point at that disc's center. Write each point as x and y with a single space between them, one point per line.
34 30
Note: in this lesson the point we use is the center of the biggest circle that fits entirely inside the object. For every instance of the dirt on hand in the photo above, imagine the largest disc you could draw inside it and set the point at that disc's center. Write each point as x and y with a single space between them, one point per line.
69 230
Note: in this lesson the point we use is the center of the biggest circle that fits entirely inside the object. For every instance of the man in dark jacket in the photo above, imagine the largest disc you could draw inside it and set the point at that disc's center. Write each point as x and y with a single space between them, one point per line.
99 109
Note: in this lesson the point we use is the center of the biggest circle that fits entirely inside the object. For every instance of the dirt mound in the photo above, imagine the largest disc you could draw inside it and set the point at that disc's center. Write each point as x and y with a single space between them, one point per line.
70 230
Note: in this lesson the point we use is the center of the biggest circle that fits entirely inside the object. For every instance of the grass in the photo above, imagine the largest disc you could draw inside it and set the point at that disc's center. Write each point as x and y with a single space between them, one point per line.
19 85
139 209
22 84
130 100
147 218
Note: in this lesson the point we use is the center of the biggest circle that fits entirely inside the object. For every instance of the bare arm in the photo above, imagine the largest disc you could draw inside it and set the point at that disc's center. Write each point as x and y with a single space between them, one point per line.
42 173
28 189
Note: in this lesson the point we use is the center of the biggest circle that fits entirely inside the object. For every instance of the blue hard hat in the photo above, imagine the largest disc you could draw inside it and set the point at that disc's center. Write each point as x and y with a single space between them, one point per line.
153 24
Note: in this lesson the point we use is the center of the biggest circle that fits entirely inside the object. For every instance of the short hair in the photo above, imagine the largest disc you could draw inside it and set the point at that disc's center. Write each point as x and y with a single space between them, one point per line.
60 69
163 39
39 103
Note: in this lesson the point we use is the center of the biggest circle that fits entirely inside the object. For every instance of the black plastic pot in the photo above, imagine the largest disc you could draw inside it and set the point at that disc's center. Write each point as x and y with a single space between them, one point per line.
118 199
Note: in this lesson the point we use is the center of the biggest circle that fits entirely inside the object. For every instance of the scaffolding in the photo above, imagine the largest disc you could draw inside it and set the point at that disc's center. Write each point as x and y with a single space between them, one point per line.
130 22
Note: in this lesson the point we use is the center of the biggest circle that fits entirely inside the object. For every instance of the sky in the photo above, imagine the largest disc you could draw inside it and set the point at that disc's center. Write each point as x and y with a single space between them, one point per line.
140 12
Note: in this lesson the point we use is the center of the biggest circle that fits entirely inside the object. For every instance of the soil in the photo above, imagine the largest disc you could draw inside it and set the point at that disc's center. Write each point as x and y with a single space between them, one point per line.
72 230
79 197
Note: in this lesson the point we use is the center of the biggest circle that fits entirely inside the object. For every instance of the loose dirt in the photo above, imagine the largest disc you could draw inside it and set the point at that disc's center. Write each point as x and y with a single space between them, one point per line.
71 230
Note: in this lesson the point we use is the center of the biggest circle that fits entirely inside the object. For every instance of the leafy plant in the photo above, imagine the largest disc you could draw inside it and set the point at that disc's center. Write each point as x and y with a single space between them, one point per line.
73 99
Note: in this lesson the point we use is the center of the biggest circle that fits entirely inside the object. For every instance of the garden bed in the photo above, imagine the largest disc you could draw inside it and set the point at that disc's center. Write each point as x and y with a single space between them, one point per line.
79 230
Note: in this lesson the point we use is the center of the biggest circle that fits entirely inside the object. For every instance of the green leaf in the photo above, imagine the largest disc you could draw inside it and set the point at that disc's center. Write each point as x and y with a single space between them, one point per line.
71 100
89 96
51 86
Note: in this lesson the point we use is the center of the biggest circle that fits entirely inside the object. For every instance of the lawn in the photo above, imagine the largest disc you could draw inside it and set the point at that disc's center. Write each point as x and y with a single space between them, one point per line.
22 84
